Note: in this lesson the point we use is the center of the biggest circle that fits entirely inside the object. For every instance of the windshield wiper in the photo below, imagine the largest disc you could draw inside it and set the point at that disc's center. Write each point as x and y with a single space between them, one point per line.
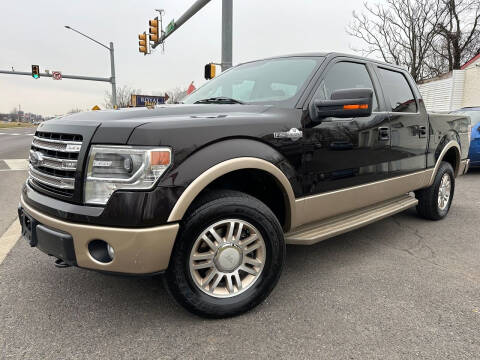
218 100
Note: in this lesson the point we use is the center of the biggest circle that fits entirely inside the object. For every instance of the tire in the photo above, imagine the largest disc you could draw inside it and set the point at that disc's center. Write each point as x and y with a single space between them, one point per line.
429 205
194 287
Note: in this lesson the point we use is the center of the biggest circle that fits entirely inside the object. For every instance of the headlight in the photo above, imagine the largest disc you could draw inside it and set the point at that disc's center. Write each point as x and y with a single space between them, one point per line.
111 168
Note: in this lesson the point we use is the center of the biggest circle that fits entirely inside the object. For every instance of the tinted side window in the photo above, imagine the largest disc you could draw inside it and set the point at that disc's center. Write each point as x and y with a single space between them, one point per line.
346 75
398 91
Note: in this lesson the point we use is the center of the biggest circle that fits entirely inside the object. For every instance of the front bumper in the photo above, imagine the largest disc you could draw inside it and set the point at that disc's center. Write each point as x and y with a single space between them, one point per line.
137 250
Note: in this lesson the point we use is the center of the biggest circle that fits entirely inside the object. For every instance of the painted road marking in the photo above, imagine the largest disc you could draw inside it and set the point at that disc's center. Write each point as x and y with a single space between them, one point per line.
16 164
13 165
16 134
9 239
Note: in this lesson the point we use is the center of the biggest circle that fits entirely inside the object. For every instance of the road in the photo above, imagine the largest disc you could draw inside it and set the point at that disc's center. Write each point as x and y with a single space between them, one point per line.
401 288
14 147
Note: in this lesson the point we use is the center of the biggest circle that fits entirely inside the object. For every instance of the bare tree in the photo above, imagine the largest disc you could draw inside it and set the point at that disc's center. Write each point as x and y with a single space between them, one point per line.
124 94
176 95
402 32
459 34
428 37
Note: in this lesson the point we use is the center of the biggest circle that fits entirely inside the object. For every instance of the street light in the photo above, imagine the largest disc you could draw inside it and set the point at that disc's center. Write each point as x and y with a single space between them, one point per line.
112 64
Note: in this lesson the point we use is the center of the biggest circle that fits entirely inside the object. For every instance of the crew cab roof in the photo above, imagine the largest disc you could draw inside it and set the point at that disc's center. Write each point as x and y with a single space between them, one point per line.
329 55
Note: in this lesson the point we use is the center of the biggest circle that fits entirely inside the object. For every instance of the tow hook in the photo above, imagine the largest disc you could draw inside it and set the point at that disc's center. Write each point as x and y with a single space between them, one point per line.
59 263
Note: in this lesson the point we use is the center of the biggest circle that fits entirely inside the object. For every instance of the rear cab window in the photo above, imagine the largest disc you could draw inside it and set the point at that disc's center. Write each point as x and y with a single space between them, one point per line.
398 92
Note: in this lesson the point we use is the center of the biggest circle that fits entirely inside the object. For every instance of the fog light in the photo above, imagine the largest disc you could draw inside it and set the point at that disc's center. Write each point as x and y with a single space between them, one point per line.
110 251
101 251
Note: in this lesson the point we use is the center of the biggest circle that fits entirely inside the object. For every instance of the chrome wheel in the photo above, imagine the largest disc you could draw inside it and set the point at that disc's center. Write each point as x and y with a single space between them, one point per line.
444 191
227 258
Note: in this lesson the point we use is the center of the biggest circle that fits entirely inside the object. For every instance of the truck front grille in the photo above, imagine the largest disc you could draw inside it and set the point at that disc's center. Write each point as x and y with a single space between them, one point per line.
53 161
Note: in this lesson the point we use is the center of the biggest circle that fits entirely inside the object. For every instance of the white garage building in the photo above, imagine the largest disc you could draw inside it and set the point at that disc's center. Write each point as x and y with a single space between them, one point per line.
457 89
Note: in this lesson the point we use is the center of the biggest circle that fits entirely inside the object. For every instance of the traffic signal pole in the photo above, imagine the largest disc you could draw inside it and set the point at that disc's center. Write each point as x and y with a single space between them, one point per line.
75 77
227 34
112 74
112 64
196 7
227 28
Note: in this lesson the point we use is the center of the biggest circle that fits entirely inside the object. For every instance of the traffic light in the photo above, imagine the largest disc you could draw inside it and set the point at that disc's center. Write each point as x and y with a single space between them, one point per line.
154 30
35 71
210 71
142 43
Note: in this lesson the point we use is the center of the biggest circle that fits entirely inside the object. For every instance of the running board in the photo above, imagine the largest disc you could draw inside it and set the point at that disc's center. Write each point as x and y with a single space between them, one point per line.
324 229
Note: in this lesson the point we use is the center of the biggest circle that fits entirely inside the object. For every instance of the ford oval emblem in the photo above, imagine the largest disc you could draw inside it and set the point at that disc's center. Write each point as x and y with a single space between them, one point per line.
36 158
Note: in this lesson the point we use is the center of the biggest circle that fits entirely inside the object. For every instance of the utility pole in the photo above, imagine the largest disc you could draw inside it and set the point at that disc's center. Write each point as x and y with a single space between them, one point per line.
227 28
112 64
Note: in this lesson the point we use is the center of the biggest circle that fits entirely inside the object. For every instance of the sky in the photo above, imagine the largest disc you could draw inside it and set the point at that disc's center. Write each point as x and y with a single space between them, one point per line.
32 32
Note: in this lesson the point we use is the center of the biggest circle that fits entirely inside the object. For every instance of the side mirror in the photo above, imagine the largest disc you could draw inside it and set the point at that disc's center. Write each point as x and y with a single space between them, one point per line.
347 103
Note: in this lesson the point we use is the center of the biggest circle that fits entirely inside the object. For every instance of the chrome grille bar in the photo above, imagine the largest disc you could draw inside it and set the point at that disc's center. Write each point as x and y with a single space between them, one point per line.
54 163
54 160
57 145
50 180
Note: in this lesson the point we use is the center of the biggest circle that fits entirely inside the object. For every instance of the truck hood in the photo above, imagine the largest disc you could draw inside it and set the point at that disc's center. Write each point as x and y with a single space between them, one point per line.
116 126
135 115
183 128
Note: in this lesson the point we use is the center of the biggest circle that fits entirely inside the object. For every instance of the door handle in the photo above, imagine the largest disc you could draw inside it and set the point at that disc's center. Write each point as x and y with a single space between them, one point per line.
422 132
383 133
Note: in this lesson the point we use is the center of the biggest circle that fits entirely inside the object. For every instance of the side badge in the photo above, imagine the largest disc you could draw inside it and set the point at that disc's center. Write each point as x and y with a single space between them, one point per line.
293 134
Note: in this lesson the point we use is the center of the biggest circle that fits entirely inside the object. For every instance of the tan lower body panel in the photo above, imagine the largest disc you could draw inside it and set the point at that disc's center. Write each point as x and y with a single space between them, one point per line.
137 251
325 229
315 208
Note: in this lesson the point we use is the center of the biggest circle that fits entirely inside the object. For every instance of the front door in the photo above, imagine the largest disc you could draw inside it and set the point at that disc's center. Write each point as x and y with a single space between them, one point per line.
342 153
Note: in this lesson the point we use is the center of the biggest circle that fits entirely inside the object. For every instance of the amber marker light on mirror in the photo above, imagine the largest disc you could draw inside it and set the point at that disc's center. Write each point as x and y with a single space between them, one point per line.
355 107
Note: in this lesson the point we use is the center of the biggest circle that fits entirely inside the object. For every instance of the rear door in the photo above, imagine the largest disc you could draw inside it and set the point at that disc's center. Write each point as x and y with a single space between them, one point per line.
408 122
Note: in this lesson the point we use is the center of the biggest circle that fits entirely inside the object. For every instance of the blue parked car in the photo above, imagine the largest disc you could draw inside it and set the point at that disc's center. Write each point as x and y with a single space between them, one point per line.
474 153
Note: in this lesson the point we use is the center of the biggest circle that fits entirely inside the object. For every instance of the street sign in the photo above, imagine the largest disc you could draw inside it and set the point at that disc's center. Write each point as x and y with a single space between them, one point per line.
147 100
96 107
170 27
56 75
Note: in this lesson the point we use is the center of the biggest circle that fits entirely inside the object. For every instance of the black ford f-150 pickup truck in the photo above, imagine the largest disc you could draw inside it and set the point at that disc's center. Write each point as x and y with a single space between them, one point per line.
286 150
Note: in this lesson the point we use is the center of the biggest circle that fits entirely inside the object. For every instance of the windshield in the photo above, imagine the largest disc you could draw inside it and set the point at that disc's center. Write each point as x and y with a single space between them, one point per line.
474 115
274 81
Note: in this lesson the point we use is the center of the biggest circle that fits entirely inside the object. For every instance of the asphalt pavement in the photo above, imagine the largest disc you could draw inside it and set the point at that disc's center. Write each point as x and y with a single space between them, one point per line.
14 148
401 288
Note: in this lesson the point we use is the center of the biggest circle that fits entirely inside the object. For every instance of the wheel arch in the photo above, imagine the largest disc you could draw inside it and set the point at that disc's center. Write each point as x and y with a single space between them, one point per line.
224 168
449 153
